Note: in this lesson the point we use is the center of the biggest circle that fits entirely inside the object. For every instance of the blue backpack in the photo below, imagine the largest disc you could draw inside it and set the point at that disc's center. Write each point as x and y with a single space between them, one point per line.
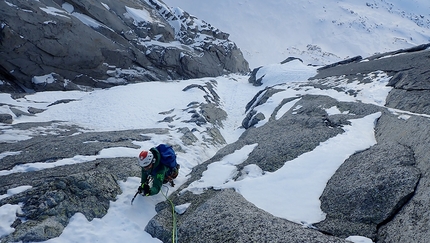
168 158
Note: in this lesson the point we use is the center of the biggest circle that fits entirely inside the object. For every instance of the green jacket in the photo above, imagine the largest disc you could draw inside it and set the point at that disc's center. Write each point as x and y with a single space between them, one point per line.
157 172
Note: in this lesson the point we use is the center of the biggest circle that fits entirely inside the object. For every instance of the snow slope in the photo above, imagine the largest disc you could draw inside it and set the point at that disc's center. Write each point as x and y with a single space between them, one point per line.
319 32
125 222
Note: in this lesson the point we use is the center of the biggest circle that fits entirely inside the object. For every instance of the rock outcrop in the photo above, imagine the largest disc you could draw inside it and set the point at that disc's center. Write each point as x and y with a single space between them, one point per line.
388 204
71 45
240 221
380 193
60 192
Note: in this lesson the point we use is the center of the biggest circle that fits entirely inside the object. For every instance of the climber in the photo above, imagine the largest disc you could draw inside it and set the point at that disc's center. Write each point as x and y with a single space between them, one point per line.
159 166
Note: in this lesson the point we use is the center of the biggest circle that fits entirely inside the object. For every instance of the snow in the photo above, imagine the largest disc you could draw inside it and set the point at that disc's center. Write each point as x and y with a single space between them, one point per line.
116 152
123 222
55 12
302 180
7 215
105 5
87 20
359 239
138 15
180 209
162 8
43 79
267 32
291 71
7 211
14 191
68 7
299 183
316 31
10 4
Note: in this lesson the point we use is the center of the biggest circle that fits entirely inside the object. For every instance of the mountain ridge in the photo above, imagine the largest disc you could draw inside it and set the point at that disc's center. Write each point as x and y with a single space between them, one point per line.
83 45
318 32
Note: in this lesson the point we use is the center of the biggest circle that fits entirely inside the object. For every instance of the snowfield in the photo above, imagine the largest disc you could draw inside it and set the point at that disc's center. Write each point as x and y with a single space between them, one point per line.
137 106
318 32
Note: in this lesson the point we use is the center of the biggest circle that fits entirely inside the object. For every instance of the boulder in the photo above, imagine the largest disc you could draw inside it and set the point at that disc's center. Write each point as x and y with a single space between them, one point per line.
6 118
236 221
368 189
48 207
409 224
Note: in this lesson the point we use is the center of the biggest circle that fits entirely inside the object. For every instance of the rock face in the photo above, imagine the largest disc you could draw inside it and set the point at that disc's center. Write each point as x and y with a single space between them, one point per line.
239 222
70 45
388 204
374 184
380 193
58 193
88 192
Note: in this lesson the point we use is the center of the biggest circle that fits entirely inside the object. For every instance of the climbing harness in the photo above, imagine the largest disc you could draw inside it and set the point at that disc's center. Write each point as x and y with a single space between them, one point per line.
174 227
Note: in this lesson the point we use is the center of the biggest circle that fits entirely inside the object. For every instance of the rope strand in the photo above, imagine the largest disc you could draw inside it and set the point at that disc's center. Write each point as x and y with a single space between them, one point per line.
174 229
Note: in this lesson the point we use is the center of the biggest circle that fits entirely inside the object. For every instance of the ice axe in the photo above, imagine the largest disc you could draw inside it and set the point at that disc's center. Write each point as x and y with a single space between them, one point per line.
134 197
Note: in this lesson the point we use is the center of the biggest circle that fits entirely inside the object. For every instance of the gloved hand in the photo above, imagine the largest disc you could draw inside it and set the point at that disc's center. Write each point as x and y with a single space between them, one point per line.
144 189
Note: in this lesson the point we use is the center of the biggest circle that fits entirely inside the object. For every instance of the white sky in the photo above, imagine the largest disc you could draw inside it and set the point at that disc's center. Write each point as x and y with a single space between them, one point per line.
295 196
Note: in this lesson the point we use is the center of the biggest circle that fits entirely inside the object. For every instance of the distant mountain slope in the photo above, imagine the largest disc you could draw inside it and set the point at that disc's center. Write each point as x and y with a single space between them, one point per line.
70 45
319 32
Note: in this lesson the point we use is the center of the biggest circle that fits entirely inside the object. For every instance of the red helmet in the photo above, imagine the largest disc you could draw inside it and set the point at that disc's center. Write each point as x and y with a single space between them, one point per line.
145 158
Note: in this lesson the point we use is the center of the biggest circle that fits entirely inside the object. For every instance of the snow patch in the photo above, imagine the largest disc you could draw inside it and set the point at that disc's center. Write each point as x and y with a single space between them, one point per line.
44 79
138 15
180 209
55 11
